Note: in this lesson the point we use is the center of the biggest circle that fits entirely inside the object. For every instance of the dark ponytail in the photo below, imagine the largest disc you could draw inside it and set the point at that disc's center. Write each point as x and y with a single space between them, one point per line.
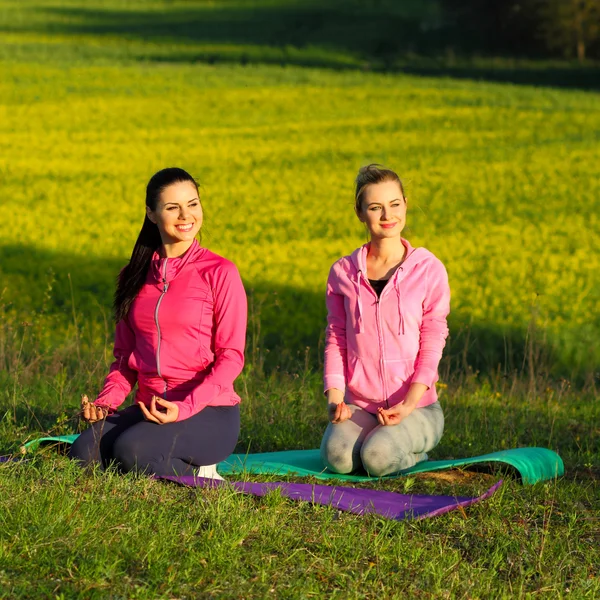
133 276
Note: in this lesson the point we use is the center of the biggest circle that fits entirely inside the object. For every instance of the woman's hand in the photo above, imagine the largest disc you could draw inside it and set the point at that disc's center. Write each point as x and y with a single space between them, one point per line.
338 412
336 407
90 412
393 416
169 415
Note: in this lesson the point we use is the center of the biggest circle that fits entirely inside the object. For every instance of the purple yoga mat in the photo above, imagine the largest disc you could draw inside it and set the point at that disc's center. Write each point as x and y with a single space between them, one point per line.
359 501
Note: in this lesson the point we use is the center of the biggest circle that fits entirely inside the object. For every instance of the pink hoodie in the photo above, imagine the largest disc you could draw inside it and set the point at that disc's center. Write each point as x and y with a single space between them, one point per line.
375 348
184 336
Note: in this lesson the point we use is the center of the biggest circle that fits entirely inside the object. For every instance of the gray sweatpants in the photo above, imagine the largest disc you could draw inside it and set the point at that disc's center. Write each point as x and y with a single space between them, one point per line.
381 449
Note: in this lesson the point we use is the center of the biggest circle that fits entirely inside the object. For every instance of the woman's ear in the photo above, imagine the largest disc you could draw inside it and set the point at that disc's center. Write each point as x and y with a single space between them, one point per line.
359 215
150 214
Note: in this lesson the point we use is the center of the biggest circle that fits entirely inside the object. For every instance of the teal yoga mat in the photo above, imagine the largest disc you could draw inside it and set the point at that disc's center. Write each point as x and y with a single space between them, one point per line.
532 464
57 439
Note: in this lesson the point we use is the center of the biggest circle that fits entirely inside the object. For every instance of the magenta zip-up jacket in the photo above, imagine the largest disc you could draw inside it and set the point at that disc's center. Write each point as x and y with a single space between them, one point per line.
376 347
184 336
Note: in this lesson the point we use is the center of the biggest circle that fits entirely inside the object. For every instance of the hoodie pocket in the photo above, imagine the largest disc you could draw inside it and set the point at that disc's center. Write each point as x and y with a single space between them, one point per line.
399 374
364 379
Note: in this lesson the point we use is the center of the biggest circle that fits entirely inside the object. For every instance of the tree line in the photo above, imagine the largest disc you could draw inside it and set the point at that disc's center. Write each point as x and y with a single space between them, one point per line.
559 28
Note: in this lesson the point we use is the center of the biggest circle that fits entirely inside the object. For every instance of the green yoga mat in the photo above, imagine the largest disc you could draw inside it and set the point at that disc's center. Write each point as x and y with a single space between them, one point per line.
58 439
532 464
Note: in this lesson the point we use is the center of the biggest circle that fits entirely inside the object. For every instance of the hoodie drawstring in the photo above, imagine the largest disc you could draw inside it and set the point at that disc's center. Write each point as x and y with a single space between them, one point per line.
399 294
359 312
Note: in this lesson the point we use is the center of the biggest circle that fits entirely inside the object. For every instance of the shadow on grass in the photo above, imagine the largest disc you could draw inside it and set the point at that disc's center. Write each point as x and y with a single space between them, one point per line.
286 324
409 36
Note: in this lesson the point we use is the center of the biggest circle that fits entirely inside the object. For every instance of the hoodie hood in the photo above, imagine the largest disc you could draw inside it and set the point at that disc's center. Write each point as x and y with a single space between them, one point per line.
413 257
359 260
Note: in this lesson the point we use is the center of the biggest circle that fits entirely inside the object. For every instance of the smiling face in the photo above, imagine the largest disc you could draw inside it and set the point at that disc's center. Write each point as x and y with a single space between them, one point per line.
383 210
178 214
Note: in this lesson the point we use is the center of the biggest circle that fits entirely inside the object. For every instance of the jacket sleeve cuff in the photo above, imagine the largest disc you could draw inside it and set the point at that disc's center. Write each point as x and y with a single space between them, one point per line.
425 376
334 381
108 404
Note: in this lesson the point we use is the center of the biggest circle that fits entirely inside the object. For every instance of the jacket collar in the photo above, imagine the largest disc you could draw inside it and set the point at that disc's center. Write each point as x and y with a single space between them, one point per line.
173 266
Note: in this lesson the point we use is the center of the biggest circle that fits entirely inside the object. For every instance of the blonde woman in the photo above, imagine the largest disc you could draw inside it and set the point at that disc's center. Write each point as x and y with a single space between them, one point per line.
387 305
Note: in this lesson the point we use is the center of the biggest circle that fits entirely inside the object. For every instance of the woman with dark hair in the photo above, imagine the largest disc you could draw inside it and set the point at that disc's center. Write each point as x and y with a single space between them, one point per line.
387 305
181 328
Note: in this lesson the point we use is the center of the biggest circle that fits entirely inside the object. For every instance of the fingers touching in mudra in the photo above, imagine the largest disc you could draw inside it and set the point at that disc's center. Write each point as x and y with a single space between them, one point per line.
90 412
338 413
394 415
160 411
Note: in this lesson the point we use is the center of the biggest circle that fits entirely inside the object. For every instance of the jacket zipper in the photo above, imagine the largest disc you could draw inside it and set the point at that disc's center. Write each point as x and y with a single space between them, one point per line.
382 346
164 291
380 340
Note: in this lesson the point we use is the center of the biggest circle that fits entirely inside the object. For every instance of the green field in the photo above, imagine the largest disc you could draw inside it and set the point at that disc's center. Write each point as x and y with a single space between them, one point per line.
501 179
274 105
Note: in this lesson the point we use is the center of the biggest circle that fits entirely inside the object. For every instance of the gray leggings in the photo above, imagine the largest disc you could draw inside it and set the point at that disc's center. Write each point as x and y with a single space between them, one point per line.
381 449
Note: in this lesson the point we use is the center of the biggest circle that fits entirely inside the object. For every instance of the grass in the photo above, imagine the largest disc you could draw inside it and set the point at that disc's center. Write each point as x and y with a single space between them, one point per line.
96 96
108 536
67 533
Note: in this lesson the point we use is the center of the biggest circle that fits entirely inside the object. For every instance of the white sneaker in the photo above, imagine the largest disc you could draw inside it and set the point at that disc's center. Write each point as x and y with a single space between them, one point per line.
208 472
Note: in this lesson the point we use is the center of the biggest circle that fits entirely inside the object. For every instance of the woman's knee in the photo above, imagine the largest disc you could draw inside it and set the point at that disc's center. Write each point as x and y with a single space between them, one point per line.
129 455
379 457
429 428
86 448
337 452
340 447
375 463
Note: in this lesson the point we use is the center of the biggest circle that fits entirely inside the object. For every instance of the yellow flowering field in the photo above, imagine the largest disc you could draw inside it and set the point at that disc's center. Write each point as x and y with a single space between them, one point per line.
502 183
